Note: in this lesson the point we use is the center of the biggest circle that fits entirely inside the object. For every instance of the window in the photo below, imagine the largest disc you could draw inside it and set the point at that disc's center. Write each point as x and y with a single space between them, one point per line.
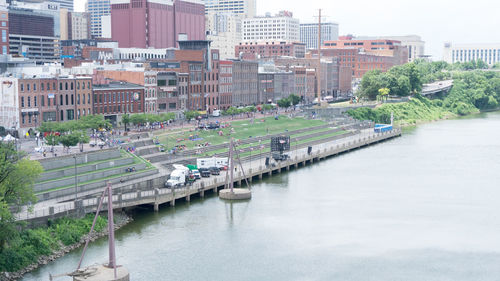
72 100
35 101
71 85
42 86
4 34
67 99
29 101
88 99
60 86
83 85
28 87
22 87
60 99
4 50
78 85
78 99
22 101
66 85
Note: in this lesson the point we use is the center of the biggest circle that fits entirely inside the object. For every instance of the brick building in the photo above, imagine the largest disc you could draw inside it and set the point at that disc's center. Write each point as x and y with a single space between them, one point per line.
271 49
58 99
245 82
157 24
116 98
225 84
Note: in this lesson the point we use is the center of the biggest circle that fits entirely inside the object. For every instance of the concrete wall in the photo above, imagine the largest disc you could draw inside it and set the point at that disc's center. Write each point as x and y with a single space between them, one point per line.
68 160
39 187
70 171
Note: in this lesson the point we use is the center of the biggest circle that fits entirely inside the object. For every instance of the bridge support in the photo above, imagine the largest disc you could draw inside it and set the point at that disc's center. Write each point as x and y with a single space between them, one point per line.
156 207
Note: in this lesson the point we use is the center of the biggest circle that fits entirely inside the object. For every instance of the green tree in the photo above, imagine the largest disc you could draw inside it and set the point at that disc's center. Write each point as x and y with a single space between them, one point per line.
17 176
126 120
284 103
191 114
70 140
370 83
294 99
383 93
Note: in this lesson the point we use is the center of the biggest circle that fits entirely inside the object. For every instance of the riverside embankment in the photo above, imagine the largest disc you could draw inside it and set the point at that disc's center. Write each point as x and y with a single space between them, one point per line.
419 207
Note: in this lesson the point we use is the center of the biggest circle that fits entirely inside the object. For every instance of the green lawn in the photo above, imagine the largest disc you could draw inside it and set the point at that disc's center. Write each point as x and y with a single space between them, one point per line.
242 130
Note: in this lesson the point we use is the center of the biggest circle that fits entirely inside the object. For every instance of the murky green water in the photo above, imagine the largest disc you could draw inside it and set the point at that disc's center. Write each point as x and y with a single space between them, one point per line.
425 206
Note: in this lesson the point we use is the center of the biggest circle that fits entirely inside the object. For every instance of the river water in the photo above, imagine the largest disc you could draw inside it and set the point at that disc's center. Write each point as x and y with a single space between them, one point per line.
425 206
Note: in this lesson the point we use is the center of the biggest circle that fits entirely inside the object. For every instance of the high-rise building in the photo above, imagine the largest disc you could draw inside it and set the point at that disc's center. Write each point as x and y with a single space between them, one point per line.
4 29
34 30
224 30
489 53
156 23
79 26
281 27
309 33
65 4
97 9
247 8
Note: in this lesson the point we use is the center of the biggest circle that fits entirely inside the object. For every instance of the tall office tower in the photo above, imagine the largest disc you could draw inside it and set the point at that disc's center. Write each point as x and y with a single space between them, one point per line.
97 9
156 23
247 8
224 30
281 27
309 33
34 30
64 4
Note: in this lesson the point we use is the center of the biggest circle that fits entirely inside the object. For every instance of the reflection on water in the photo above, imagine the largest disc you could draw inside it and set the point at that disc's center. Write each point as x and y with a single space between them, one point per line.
421 207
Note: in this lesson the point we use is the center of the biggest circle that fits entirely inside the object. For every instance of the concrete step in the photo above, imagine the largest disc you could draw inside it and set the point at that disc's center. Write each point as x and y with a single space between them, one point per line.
97 185
70 171
96 175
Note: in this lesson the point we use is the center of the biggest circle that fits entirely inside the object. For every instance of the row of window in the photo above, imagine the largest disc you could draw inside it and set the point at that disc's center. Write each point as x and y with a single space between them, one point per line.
70 100
46 86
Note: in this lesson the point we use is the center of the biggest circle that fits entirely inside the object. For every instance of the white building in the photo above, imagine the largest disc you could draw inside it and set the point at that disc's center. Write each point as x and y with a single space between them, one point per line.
224 32
80 23
9 103
489 53
97 9
281 27
309 33
247 8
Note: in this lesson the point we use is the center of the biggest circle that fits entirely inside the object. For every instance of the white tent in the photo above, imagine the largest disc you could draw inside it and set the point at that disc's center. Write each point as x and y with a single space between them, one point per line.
9 138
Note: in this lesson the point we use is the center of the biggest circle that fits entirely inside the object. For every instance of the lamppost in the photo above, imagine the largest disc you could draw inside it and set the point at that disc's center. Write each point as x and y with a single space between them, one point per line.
76 181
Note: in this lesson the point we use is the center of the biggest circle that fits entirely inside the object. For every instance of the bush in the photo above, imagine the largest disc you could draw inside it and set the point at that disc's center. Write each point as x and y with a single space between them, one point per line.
28 245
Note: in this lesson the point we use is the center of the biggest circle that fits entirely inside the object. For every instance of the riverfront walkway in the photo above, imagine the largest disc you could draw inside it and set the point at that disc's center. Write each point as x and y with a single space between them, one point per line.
151 191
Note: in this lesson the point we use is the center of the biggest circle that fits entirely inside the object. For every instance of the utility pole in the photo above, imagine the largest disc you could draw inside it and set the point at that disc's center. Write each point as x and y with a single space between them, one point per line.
318 72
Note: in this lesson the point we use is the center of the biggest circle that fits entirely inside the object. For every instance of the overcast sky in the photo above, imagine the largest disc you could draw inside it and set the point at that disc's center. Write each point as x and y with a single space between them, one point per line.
436 21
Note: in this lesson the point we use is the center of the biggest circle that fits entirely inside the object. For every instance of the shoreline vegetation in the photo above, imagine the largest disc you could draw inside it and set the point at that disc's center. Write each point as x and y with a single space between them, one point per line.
39 246
474 90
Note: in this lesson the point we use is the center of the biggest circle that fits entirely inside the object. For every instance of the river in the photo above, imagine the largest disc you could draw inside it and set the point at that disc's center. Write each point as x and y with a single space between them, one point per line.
425 206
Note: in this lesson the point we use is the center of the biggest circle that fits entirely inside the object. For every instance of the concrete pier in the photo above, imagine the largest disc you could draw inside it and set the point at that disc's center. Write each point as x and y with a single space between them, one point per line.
103 273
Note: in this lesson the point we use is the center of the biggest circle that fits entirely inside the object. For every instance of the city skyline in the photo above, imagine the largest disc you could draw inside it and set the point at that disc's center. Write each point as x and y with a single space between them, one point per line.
436 22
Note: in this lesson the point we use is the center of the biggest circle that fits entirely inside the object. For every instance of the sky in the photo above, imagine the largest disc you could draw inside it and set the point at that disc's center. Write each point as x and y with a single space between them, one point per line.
436 21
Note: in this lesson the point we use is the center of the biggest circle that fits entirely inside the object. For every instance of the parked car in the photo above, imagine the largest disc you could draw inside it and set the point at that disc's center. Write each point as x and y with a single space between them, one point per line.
196 174
214 171
205 173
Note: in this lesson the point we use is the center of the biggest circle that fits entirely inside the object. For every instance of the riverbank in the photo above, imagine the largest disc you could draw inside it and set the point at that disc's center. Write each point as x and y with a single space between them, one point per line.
39 246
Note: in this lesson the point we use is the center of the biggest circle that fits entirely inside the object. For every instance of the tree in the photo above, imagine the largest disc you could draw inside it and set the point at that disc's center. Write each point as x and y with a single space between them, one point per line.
294 99
70 140
167 116
126 120
284 103
191 114
370 84
383 93
17 176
